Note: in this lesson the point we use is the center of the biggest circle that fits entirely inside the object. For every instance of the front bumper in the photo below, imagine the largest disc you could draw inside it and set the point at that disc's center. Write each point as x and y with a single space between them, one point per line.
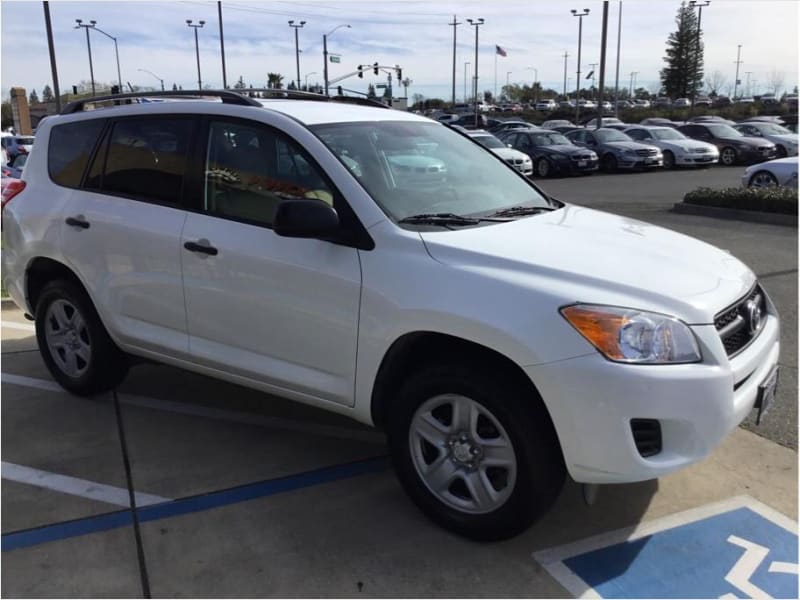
692 159
752 157
592 402
640 162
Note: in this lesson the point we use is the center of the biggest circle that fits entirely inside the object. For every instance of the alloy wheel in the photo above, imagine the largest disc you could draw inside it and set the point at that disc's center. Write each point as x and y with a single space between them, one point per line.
67 338
728 156
763 179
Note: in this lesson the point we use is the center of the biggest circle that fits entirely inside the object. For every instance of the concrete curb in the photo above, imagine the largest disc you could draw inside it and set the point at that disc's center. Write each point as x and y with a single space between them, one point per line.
740 215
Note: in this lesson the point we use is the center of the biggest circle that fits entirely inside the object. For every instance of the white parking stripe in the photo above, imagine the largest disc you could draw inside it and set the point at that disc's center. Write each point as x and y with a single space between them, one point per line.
19 326
76 487
373 437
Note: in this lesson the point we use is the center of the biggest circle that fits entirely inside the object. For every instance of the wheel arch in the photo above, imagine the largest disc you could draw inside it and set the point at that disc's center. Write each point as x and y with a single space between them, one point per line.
415 349
39 272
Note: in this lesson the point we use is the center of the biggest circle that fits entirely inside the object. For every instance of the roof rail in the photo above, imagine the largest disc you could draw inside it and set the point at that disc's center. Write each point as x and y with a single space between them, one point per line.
299 95
226 96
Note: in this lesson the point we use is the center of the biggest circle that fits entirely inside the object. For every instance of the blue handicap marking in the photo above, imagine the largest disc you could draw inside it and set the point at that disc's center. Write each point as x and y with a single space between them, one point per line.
738 553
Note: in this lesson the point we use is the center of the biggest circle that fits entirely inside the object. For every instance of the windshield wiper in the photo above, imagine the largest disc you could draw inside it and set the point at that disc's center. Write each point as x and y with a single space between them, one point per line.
446 219
516 211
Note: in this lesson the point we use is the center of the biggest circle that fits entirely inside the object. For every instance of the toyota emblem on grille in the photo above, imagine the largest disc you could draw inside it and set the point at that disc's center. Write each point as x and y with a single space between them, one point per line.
753 314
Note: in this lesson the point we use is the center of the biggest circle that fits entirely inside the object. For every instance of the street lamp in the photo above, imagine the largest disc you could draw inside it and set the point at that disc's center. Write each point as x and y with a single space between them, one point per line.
580 16
476 23
307 74
325 54
465 82
197 49
89 46
739 61
699 5
297 47
154 75
116 52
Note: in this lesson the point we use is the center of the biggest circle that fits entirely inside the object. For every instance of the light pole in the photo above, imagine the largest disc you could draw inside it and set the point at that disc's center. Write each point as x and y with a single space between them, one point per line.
465 82
307 74
89 46
197 49
738 62
616 80
580 16
116 52
476 23
297 47
454 24
535 81
154 75
699 5
566 55
325 54
633 80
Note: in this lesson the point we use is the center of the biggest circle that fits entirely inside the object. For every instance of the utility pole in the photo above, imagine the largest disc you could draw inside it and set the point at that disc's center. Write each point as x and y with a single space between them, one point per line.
565 75
699 5
616 80
297 47
603 37
197 49
738 62
221 48
89 46
454 25
580 16
52 49
465 82
325 54
476 23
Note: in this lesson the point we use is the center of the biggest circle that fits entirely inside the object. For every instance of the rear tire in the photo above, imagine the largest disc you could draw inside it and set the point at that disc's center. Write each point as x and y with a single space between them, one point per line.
477 453
73 342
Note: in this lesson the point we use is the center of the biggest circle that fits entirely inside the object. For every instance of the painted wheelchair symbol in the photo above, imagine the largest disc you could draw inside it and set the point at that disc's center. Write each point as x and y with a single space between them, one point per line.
741 572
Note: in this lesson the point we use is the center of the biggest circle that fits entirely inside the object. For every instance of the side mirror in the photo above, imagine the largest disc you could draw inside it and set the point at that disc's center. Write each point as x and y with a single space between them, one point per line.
305 219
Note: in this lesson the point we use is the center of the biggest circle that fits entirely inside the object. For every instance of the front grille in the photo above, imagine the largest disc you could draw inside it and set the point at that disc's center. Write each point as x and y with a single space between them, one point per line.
701 150
646 436
646 152
735 324
581 157
765 149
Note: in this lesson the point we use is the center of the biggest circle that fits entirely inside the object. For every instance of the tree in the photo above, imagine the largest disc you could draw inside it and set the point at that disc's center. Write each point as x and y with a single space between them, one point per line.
174 87
417 100
776 81
33 98
47 94
682 76
240 85
715 82
7 119
274 80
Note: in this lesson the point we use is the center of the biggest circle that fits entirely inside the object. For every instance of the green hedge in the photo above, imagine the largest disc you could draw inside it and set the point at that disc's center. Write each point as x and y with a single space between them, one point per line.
773 200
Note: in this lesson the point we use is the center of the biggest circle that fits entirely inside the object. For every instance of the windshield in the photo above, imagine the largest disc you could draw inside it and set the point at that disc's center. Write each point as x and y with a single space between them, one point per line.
772 129
412 168
550 139
723 131
610 135
668 134
488 141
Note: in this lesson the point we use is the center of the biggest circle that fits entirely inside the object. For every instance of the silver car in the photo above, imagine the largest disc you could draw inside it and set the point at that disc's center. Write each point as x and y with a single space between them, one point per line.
780 172
616 150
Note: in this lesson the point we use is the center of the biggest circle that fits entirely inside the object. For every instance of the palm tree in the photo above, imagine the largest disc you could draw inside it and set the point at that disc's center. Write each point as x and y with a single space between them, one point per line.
274 80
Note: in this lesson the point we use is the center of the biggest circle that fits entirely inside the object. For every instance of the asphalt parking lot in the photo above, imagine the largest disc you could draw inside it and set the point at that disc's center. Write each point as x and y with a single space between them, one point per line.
240 494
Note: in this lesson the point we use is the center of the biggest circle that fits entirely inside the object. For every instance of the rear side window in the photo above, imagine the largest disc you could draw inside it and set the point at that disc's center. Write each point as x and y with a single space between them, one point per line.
145 159
69 150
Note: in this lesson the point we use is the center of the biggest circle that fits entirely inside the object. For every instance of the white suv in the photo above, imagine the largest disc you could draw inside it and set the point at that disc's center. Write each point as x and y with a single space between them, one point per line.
383 266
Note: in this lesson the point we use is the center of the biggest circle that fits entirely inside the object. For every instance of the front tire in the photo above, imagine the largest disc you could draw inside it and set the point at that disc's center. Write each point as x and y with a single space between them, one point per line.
728 156
475 452
762 179
73 342
543 167
669 160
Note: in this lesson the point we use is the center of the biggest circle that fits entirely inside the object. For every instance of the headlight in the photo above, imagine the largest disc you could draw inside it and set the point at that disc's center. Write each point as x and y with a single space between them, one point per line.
592 156
633 336
555 156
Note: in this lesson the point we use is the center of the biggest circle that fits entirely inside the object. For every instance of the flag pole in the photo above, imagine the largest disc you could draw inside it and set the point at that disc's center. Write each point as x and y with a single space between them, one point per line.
495 74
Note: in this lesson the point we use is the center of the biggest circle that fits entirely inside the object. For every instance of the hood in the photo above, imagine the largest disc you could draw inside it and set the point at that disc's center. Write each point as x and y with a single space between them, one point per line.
506 153
567 149
577 254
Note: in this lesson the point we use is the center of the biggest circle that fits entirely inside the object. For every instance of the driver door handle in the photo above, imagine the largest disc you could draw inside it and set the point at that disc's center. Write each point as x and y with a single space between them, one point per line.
78 221
202 246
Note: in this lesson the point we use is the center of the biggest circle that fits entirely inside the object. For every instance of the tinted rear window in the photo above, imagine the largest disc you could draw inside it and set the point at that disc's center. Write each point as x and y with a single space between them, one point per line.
69 151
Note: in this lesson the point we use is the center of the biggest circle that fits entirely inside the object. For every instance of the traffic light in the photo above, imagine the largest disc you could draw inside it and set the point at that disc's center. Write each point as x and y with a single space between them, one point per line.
399 73
114 90
74 90
360 72
375 68
339 90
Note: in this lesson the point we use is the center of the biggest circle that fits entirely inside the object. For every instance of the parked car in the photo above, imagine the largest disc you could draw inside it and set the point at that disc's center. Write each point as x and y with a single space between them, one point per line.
733 146
676 148
785 141
551 152
663 101
779 172
606 121
791 101
745 100
15 145
546 105
567 104
659 122
16 167
501 338
587 104
519 160
702 101
616 150
710 119
625 104
721 101
769 100
510 124
553 123
642 103
448 118
681 103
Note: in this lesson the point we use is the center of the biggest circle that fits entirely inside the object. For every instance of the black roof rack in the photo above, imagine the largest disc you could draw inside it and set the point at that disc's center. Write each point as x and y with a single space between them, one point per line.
226 96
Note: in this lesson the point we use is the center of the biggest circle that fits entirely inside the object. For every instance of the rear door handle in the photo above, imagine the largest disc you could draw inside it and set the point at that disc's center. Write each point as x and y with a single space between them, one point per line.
78 221
202 246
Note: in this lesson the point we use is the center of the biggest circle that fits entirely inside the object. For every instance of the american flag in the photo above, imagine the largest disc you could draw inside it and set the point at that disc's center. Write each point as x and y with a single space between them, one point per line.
500 51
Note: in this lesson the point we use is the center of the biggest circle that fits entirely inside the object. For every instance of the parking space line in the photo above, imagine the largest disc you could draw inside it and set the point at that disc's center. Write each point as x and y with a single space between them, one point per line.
19 326
75 486
345 433
191 504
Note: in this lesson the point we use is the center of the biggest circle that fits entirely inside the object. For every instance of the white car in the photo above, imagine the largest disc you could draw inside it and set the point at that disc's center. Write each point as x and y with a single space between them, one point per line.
501 338
546 105
785 141
519 160
682 102
677 149
779 172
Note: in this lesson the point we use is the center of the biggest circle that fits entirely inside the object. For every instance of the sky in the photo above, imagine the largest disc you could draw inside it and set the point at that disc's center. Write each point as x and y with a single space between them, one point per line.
153 36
